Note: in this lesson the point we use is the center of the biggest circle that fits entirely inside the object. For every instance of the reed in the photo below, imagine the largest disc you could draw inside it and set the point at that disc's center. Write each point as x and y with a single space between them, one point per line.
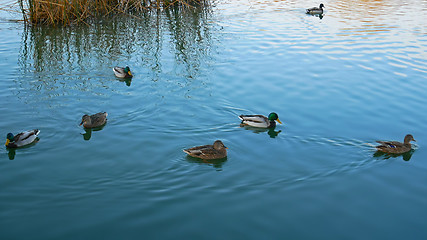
64 12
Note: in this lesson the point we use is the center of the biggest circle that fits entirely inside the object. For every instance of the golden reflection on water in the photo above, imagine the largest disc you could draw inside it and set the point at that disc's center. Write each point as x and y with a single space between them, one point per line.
360 17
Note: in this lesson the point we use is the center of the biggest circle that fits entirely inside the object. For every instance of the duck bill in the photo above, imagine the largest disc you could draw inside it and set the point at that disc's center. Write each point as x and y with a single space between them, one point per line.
81 123
279 121
130 74
7 142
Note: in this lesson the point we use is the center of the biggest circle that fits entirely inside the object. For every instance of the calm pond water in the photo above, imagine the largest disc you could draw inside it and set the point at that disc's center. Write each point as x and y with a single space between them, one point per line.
338 83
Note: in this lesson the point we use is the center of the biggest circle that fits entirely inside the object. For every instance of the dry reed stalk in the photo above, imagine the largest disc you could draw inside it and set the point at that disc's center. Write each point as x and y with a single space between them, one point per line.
65 12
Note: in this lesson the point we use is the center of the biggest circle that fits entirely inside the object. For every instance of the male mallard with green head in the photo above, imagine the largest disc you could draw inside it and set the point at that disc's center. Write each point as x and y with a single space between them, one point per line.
260 120
315 10
21 139
95 120
396 147
215 151
122 72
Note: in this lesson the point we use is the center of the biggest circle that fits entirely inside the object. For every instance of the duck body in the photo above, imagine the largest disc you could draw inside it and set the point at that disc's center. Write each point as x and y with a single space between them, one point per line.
21 139
215 151
315 10
95 120
260 121
396 147
121 72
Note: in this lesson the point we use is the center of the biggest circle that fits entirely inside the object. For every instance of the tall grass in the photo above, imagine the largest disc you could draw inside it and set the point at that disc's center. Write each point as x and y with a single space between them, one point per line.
53 12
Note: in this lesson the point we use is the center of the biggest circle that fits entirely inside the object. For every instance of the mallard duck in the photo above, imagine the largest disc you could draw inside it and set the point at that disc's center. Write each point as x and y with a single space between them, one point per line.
315 10
260 120
122 72
21 139
95 120
215 151
396 147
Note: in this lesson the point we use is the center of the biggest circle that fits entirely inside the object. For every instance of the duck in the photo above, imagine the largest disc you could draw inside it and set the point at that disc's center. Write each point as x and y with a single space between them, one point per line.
21 139
315 10
260 120
396 147
95 120
121 72
215 151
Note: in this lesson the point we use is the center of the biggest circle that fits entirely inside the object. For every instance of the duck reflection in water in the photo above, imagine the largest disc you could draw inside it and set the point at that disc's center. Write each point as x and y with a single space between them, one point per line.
128 81
405 156
88 132
216 163
270 131
317 15
11 152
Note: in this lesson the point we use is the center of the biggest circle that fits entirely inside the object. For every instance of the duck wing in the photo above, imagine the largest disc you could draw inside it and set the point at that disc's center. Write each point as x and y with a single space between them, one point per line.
393 147
390 144
26 137
119 70
314 10
198 150
255 120
204 152
99 118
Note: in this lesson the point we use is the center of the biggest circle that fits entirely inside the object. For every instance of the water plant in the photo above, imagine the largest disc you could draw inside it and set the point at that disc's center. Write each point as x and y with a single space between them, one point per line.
64 12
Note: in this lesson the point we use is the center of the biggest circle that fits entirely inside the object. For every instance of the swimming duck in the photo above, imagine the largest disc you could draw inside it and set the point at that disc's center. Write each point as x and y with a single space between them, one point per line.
215 151
21 139
396 147
260 120
122 72
95 120
315 10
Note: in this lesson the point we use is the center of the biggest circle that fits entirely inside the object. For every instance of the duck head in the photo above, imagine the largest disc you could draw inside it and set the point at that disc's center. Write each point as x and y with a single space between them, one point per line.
321 6
9 138
86 120
408 138
218 145
273 116
127 71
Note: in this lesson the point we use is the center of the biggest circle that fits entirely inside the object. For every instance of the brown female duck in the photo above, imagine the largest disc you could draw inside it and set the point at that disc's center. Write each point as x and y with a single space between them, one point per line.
215 151
396 147
95 120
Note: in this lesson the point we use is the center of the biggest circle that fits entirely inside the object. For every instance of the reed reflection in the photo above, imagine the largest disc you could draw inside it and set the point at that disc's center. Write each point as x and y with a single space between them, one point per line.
64 59
191 37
